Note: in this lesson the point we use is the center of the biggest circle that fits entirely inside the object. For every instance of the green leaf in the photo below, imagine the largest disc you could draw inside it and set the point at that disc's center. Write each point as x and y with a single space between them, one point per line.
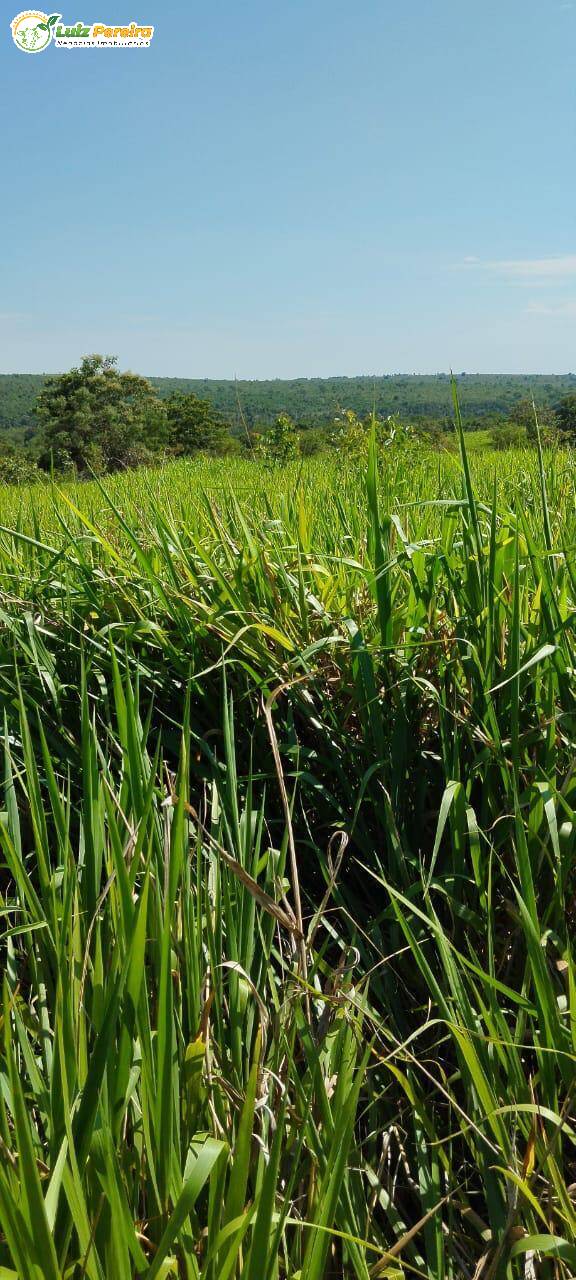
206 1153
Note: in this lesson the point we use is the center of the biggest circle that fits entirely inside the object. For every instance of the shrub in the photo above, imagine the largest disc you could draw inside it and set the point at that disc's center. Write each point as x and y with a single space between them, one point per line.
508 437
281 444
16 468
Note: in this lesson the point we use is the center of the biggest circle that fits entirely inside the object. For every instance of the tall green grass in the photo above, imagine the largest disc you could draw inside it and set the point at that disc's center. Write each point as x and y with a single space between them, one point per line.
287 871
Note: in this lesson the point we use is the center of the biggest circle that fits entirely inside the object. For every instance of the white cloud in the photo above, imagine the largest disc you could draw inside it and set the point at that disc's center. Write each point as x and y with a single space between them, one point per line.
557 269
562 310
541 268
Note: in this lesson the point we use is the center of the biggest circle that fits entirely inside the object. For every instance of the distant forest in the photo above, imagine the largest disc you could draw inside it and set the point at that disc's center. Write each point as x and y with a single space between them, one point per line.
313 402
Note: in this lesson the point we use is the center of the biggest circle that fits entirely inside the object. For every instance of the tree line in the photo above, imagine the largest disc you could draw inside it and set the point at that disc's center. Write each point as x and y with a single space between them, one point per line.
96 419
313 402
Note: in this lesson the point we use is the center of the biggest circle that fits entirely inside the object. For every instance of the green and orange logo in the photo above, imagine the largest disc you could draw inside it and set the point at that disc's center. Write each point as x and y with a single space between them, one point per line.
33 31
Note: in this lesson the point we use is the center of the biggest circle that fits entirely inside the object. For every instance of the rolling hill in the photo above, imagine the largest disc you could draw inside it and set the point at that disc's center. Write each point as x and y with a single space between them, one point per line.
315 401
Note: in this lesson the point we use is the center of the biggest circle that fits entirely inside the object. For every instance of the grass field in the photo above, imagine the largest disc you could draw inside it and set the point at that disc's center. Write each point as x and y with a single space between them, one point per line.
288 871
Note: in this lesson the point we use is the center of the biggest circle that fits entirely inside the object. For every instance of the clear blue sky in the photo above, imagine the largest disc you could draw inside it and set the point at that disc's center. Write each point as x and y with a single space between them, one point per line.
309 188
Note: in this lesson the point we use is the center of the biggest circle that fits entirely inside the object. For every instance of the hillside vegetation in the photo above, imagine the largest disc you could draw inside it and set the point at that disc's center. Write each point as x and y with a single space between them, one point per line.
288 857
314 401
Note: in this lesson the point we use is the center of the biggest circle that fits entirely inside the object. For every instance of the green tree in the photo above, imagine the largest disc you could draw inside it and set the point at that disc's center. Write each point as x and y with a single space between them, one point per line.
195 426
522 415
281 443
95 418
16 467
313 440
566 415
351 434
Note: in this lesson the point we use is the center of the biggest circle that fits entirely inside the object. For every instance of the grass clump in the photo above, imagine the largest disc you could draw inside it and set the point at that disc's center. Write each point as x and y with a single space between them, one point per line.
287 871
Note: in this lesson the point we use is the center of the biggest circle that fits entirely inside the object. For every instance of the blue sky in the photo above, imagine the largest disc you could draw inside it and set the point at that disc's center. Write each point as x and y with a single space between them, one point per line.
283 190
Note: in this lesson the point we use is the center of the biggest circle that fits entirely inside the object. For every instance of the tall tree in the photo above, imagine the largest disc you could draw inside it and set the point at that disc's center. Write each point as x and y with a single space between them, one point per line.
195 426
522 415
95 418
566 415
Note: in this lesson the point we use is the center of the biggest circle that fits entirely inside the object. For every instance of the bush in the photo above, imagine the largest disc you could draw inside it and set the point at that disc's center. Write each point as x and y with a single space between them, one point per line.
351 434
313 440
508 437
281 444
195 426
16 468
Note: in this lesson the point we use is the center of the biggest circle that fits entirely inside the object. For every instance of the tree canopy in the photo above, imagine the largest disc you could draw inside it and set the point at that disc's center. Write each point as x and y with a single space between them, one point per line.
315 401
95 418
195 426
522 415
566 415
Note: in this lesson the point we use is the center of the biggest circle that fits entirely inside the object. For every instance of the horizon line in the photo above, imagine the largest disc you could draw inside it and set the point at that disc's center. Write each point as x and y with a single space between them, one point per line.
311 377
